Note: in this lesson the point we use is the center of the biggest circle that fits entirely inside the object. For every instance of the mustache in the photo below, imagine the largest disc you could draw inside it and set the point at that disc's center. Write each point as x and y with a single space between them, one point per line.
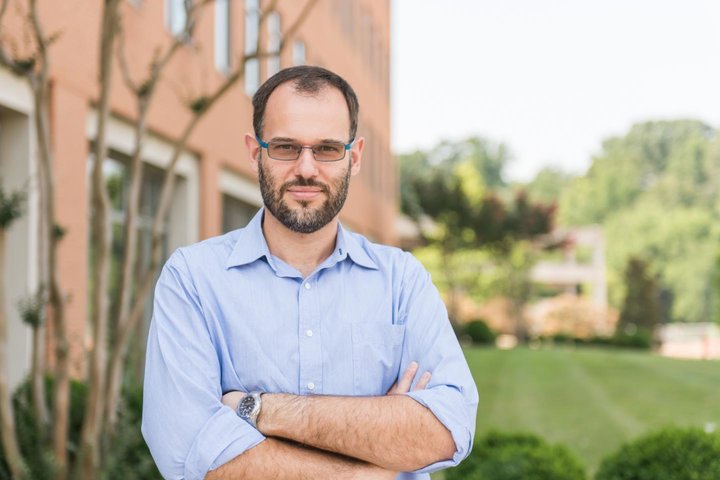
304 182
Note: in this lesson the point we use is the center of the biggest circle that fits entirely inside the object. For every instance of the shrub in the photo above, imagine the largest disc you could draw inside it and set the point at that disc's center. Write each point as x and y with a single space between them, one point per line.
128 455
670 454
480 332
640 339
517 456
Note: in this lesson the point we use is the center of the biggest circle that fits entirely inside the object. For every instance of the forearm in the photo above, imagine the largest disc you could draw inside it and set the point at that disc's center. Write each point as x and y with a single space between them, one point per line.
394 431
278 459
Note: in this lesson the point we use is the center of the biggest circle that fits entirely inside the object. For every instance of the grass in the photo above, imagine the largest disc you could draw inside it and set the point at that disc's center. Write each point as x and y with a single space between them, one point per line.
591 400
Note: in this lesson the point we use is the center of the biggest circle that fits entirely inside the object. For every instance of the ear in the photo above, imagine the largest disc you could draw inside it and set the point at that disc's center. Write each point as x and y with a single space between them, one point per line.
356 155
253 147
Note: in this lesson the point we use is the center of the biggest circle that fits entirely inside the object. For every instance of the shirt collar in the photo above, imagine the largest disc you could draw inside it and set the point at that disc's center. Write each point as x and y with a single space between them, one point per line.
348 244
250 245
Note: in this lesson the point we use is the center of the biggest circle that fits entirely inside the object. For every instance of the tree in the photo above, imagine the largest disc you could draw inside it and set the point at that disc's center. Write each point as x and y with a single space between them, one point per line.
112 329
448 185
641 308
655 192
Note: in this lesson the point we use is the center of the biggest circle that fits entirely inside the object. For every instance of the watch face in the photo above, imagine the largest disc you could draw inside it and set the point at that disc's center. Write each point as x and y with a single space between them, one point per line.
246 406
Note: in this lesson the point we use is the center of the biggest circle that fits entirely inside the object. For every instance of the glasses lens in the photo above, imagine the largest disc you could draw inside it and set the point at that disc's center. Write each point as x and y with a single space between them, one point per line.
329 152
284 150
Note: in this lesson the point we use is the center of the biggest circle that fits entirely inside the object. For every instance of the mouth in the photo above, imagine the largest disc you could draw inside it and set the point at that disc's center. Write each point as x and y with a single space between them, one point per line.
304 193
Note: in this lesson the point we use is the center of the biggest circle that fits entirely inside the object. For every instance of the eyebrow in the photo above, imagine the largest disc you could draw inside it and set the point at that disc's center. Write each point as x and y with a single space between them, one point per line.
293 140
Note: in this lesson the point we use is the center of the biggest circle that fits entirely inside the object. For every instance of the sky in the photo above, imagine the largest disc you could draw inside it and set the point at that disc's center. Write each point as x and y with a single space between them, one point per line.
549 78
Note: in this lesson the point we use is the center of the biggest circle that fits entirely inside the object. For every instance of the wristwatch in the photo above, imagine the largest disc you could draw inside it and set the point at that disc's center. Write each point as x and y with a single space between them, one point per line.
249 408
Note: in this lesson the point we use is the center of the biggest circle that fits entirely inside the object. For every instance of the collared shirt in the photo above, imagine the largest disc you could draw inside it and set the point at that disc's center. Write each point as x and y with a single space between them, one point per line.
228 315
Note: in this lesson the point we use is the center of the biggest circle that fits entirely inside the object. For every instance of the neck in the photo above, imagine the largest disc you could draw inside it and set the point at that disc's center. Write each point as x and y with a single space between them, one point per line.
303 251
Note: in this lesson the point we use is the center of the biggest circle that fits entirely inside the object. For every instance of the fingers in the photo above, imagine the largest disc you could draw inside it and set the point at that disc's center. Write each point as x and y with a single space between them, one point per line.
423 382
404 383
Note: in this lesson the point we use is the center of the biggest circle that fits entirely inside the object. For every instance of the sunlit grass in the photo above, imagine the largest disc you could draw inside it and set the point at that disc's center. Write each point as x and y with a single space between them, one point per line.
591 400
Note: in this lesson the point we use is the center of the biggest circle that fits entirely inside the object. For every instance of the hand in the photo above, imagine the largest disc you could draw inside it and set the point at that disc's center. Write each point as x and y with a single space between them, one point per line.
232 399
403 384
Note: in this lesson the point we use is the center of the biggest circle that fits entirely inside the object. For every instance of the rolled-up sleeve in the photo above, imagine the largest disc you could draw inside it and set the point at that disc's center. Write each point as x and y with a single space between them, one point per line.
188 429
430 340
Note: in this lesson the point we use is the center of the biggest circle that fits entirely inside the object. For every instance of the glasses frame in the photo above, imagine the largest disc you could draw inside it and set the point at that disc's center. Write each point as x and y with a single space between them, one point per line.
266 145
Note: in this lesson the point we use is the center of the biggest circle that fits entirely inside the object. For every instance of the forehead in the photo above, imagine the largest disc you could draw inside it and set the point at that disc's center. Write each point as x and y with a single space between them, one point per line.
306 116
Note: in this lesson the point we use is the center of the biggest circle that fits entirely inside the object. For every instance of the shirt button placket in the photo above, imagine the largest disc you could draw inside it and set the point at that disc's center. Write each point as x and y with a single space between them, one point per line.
310 348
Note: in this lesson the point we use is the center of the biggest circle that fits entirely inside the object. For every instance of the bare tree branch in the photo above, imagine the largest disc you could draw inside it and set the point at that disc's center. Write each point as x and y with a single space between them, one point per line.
144 93
122 59
202 106
40 39
90 446
298 22
3 8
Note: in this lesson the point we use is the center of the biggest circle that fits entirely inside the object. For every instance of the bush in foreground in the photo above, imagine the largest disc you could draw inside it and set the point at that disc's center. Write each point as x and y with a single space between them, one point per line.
517 456
670 454
128 455
480 332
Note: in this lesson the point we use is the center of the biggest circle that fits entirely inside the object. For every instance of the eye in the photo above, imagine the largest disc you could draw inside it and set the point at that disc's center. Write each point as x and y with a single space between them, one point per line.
286 147
330 148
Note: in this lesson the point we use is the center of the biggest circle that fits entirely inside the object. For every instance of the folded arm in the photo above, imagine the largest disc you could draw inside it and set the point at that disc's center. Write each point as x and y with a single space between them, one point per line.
280 459
394 431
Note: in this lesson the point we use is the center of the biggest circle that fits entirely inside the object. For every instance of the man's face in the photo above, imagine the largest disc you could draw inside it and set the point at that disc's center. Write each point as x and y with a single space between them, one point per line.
305 195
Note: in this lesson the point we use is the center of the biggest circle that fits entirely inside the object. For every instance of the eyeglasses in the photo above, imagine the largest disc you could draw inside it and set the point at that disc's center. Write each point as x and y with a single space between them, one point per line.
288 151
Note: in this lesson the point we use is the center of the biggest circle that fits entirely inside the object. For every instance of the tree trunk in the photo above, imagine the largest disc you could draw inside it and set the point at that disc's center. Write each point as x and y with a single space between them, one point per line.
90 461
7 419
61 395
447 269
128 322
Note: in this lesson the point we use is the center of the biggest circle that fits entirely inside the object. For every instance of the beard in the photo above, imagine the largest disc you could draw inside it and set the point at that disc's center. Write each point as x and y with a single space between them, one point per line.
304 219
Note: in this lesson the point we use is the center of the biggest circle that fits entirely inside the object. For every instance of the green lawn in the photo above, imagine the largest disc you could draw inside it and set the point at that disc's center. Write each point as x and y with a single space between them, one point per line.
590 399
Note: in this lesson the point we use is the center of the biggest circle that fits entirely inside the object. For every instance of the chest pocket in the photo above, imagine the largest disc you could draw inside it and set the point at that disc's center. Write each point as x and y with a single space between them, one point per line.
377 350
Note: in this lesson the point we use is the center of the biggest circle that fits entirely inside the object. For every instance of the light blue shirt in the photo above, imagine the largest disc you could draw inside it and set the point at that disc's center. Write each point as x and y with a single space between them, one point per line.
228 315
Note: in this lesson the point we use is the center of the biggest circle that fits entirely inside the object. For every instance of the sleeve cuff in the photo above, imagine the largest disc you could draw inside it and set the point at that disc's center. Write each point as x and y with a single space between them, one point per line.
223 437
443 401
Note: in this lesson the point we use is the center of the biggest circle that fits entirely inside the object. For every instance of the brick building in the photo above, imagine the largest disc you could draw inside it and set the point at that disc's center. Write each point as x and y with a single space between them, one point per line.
216 189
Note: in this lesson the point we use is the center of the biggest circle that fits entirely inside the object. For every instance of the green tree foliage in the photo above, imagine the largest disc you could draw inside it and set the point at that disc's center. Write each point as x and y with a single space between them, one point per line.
716 289
11 205
656 192
641 308
548 184
460 188
670 454
517 456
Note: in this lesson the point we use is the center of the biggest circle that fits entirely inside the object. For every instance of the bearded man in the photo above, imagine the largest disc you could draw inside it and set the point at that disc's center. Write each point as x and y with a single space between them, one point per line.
293 348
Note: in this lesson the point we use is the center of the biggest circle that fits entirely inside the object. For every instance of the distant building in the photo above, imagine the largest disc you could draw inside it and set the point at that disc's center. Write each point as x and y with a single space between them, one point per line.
574 272
216 188
690 340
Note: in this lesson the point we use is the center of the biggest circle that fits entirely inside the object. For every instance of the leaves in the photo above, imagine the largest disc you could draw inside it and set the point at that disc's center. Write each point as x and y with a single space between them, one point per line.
11 205
656 190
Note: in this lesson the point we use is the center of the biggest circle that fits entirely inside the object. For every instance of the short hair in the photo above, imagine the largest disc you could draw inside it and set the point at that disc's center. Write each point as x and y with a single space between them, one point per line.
306 79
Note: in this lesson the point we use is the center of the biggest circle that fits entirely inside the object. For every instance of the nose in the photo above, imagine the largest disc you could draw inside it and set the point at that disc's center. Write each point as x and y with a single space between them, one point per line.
305 165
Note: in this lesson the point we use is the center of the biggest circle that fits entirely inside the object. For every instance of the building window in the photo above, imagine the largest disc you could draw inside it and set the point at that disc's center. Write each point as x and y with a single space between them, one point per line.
252 27
222 35
117 179
236 213
274 38
241 200
298 53
175 15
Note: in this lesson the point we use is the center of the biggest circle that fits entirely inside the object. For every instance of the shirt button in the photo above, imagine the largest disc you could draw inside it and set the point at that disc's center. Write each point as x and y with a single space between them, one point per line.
311 386
309 333
307 286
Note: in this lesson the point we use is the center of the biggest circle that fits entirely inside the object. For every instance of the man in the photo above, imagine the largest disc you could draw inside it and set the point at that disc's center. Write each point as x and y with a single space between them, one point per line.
292 348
